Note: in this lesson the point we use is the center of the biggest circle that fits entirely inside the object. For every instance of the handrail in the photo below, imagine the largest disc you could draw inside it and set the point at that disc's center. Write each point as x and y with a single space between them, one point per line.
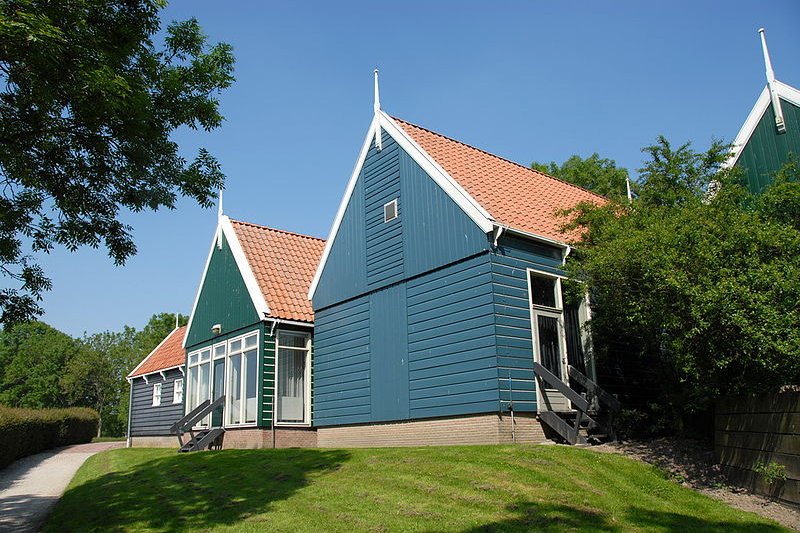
578 401
197 414
594 389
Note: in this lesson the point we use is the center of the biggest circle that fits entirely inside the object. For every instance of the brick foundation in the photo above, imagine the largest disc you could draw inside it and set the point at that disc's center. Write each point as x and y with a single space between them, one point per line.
155 442
285 437
491 428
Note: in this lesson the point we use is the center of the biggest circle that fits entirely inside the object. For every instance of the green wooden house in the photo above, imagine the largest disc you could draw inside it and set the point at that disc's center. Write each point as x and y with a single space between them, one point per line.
771 132
248 340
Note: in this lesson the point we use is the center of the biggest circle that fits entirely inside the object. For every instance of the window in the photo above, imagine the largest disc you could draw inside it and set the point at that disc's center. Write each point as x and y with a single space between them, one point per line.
293 395
547 322
390 211
177 391
230 368
156 394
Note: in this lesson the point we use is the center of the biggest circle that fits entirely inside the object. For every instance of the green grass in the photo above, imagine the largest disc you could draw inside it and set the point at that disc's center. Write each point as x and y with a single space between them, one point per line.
468 488
108 439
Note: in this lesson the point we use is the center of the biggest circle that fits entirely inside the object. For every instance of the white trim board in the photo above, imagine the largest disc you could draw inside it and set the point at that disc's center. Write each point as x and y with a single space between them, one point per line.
785 92
460 196
256 296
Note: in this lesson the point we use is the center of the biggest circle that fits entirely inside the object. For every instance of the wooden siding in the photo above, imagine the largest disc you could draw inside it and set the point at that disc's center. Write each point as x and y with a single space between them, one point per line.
765 429
767 151
267 373
451 346
384 240
342 363
388 349
436 231
146 420
224 300
513 318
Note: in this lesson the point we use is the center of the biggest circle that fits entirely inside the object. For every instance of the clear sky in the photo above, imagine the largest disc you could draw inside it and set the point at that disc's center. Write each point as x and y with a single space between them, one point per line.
527 80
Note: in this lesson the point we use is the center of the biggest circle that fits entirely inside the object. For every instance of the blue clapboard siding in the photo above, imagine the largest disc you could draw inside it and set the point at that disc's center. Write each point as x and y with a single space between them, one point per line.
149 421
512 314
345 273
451 347
436 231
388 354
384 240
342 363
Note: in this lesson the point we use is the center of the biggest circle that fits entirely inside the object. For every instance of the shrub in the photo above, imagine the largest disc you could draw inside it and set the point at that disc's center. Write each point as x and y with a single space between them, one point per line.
25 432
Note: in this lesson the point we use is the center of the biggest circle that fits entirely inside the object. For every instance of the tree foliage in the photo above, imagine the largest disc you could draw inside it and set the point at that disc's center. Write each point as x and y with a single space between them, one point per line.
40 367
707 285
87 106
597 174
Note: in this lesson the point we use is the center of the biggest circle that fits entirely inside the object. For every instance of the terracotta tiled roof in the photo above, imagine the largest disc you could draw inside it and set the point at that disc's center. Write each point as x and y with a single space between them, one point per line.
283 264
168 354
514 195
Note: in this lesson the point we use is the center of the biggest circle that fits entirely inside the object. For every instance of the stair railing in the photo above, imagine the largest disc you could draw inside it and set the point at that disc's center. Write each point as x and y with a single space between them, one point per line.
195 416
596 395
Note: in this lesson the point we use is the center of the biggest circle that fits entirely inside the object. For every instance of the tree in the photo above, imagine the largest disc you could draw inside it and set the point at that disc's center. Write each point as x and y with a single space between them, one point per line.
594 173
87 107
33 358
707 285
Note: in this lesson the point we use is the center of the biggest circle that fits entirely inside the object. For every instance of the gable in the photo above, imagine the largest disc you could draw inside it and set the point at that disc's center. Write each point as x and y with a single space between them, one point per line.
766 150
223 298
368 253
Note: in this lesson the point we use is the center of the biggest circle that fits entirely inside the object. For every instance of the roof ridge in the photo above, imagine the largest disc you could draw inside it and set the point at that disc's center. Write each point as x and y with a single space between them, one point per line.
287 232
499 157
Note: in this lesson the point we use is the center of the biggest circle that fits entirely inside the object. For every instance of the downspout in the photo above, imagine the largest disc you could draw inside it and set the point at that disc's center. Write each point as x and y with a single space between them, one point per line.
272 334
128 442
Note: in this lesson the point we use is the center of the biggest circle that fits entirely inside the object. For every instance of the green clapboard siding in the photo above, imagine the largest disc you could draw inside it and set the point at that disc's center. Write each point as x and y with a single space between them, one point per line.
767 150
223 299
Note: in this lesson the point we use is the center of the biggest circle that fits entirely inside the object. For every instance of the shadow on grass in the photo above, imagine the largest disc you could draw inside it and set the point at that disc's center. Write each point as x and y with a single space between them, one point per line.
533 516
191 491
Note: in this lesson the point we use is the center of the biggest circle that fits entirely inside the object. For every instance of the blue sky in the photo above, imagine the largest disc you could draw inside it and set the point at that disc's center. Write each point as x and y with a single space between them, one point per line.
528 80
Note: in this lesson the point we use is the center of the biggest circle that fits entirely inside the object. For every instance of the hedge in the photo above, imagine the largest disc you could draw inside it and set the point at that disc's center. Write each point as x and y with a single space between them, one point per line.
25 432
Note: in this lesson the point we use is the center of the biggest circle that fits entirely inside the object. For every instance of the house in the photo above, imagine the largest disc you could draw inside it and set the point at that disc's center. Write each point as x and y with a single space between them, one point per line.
771 132
156 393
248 340
439 291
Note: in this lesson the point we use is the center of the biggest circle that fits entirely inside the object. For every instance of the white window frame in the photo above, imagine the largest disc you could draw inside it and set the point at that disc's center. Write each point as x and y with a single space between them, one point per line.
396 213
552 312
156 394
177 392
307 377
192 396
242 384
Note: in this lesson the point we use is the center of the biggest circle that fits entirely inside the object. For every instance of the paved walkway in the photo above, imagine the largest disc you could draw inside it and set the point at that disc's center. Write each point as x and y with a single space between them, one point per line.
31 486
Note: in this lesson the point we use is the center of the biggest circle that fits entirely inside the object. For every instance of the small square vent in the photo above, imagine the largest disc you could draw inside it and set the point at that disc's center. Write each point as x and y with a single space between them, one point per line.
390 211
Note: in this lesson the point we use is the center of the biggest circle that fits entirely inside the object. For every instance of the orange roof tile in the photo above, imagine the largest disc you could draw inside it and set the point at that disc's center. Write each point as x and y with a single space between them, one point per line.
283 264
168 354
514 195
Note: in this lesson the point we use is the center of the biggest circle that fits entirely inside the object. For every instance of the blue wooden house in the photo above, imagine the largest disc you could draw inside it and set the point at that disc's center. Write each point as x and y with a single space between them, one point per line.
771 132
440 312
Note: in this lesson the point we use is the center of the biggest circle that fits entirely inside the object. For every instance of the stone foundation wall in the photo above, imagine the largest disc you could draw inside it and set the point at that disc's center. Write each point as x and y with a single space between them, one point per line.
252 438
156 442
490 428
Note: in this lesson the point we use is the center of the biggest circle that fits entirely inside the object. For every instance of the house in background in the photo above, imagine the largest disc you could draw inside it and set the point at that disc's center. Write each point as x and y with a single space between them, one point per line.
157 392
771 132
439 298
249 336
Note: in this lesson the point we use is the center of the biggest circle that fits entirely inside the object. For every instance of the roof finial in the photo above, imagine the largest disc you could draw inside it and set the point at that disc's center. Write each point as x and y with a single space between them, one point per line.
776 103
219 204
377 107
176 320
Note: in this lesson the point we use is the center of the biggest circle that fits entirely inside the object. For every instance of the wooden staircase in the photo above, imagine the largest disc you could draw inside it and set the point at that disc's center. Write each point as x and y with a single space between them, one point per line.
204 438
591 420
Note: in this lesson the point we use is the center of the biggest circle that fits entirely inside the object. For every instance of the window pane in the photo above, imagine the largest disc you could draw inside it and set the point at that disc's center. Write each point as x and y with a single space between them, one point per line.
236 346
291 385
219 351
235 388
205 386
205 355
193 358
192 389
572 330
549 350
177 391
251 379
543 291
290 340
250 341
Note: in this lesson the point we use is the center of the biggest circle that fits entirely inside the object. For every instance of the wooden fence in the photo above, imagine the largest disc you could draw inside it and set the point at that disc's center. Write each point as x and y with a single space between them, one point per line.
760 431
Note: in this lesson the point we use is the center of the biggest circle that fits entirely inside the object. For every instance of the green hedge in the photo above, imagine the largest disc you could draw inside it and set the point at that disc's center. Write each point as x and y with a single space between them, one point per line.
28 431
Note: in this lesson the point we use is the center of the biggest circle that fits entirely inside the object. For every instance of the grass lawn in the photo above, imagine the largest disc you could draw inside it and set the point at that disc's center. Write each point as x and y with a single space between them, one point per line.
108 439
467 488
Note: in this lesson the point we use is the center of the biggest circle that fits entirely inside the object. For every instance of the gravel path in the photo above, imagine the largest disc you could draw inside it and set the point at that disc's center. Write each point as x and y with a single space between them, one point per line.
31 486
